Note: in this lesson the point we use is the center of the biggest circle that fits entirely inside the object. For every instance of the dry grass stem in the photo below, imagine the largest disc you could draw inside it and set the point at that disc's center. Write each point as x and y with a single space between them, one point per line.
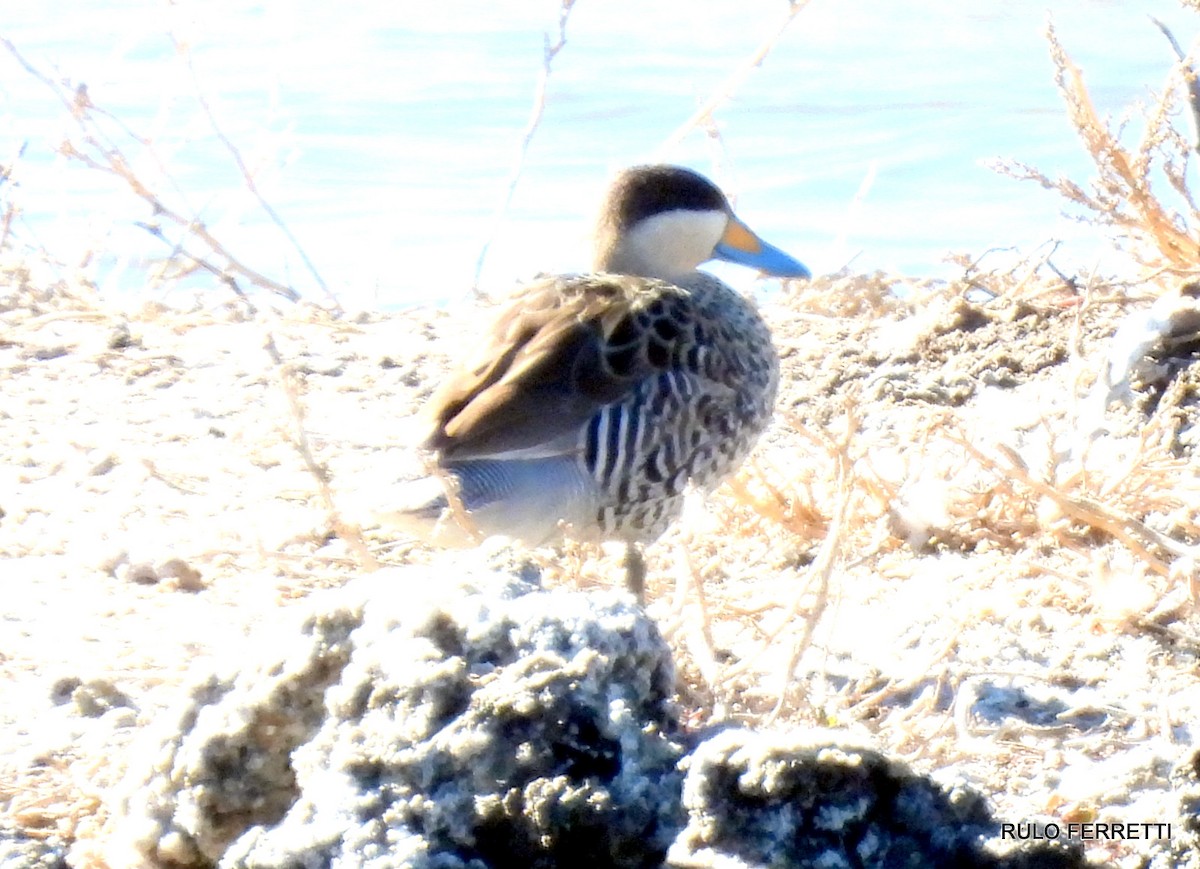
1190 77
696 627
292 388
550 52
828 558
457 513
778 500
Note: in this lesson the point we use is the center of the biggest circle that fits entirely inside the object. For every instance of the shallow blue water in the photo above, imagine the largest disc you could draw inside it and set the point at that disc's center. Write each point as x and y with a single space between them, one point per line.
385 136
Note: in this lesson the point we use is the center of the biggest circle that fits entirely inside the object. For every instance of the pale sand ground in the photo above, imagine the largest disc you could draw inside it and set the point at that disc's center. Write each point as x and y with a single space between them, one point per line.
156 509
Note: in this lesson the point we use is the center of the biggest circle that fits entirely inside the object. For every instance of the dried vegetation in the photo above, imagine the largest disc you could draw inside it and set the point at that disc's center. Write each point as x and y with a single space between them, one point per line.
1160 234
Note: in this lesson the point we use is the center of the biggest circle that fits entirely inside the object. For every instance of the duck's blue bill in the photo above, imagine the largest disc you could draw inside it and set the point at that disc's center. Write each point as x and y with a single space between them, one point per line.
740 245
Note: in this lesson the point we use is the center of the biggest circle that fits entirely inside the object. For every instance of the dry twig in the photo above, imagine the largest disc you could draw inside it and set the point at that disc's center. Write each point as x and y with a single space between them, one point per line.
550 52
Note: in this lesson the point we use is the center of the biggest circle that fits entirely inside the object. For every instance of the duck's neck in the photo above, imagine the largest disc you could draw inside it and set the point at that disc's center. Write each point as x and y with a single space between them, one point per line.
619 254
613 259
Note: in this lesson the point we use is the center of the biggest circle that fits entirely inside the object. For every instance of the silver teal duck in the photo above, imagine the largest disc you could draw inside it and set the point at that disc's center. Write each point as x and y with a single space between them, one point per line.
596 400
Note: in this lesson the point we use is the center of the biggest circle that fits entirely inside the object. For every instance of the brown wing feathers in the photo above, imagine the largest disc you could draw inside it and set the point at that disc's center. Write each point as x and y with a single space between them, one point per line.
565 348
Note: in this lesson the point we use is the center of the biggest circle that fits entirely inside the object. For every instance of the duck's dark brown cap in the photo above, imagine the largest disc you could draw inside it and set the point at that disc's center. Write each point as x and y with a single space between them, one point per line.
641 192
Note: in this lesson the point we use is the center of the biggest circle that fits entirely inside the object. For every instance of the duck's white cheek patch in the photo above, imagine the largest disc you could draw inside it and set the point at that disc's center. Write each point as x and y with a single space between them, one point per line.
680 240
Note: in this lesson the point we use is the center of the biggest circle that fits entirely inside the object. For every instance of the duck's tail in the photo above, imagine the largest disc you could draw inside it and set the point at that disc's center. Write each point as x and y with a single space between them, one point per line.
529 499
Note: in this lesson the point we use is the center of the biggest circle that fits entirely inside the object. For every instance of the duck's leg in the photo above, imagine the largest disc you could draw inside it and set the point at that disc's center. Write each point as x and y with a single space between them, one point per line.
635 571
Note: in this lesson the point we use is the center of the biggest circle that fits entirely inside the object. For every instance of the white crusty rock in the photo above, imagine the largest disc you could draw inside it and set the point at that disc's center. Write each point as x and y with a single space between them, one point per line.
816 798
404 725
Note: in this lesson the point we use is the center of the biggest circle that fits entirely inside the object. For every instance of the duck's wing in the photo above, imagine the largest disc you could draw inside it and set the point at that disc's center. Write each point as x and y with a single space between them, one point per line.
564 348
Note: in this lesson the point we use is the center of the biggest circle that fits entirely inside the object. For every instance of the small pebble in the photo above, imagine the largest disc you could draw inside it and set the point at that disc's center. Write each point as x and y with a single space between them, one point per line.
187 578
96 697
142 572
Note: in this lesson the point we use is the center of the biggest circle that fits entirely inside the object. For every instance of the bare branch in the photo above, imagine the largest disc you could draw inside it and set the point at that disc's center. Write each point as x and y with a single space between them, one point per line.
248 176
108 158
736 79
